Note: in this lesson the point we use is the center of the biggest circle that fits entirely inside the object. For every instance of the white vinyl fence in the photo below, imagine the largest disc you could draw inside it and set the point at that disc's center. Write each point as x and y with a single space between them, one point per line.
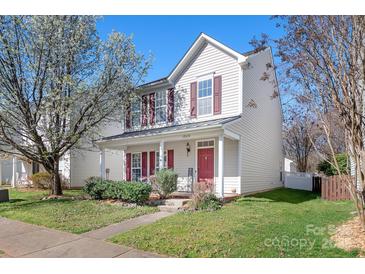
298 180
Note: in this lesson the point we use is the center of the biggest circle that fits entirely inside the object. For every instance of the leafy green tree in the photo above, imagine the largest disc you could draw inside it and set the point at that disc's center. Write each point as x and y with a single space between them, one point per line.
329 169
59 82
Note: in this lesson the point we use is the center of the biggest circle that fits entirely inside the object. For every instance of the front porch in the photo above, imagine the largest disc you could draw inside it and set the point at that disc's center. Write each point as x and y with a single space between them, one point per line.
196 156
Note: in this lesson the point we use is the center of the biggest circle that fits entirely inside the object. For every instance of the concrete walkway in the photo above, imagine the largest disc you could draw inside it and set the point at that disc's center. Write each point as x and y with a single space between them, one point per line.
18 239
111 230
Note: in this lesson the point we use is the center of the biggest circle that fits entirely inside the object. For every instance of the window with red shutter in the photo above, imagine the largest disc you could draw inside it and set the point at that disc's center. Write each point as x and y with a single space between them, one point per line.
217 94
170 159
170 105
152 108
193 100
128 166
152 163
144 164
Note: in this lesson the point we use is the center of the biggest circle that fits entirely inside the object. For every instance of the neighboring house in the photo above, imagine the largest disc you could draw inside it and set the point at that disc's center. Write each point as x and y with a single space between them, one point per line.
14 170
289 165
215 118
74 167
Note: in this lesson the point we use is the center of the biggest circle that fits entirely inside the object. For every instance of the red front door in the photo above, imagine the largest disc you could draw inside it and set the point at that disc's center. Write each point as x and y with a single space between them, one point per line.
205 165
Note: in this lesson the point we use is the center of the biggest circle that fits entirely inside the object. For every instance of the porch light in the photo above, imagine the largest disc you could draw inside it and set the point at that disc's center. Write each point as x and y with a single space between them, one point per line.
187 149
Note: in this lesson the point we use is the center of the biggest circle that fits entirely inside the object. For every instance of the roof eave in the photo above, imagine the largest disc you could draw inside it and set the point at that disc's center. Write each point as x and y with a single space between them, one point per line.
163 134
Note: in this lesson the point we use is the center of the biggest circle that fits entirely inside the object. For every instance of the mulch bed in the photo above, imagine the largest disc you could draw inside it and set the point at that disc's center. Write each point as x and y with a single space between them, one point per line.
119 203
350 236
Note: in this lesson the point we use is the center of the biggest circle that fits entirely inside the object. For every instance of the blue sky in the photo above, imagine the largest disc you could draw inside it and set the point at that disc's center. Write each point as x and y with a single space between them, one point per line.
169 37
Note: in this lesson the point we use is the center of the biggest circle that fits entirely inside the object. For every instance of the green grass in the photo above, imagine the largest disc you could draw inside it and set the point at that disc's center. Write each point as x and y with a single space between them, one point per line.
270 224
76 216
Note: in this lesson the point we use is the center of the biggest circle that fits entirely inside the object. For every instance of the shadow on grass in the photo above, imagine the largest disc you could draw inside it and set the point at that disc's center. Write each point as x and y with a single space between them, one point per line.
283 195
20 204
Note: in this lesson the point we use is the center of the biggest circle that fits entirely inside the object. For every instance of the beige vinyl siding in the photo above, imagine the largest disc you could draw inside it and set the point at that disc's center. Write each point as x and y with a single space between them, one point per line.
182 161
259 128
84 162
231 178
209 60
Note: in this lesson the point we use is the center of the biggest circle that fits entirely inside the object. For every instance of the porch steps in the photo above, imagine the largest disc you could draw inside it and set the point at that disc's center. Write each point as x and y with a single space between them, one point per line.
166 208
172 205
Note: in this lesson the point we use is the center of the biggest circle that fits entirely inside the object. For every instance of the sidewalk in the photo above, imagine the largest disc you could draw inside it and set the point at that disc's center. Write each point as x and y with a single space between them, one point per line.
111 230
18 239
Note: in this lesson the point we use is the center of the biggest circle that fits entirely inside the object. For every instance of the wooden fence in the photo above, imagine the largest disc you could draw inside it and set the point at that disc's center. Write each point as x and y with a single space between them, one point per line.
333 189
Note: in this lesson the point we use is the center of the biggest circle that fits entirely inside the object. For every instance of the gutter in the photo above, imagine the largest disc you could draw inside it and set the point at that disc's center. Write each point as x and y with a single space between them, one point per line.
166 134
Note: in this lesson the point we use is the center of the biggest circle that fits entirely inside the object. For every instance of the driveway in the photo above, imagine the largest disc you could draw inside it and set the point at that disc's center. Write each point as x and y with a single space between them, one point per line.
18 239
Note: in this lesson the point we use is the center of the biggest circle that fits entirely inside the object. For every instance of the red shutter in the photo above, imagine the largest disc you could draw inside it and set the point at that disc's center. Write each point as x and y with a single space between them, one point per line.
152 163
152 108
144 164
144 110
217 94
128 116
170 159
128 167
193 99
170 105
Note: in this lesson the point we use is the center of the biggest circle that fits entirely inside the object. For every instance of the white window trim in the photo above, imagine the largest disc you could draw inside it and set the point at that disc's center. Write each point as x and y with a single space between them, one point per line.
161 122
157 162
140 164
205 140
139 116
201 79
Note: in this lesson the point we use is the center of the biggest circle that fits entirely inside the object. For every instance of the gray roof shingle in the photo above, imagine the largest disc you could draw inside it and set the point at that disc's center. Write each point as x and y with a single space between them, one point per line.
161 130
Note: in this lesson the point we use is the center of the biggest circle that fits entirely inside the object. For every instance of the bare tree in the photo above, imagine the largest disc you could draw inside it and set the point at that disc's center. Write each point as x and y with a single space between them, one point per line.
59 82
325 57
297 132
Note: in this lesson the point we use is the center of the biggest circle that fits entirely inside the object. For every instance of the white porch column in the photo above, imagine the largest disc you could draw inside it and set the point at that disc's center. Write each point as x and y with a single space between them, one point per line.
239 161
161 159
102 163
13 178
220 182
123 164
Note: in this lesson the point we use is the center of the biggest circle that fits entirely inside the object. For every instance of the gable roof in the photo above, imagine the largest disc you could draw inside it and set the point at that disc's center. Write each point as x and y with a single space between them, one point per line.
254 51
199 42
194 48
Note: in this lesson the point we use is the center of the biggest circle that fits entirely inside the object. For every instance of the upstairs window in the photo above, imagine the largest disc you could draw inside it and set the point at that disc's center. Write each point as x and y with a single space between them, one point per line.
205 98
136 113
160 106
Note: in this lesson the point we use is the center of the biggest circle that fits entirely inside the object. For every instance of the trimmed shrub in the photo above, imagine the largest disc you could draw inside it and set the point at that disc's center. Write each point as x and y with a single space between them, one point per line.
132 192
44 180
165 182
203 197
95 187
209 202
41 180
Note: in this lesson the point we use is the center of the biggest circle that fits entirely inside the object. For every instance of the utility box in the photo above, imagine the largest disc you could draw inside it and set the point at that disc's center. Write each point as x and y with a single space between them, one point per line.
4 195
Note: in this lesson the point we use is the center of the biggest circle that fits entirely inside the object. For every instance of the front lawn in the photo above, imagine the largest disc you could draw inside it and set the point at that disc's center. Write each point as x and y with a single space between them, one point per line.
279 223
76 216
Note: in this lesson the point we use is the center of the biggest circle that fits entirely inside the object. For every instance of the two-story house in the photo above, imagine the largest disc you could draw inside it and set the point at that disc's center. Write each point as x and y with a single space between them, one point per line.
216 117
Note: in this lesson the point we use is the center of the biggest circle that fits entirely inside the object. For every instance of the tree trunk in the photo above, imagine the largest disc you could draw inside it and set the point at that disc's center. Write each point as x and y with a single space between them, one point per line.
56 186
